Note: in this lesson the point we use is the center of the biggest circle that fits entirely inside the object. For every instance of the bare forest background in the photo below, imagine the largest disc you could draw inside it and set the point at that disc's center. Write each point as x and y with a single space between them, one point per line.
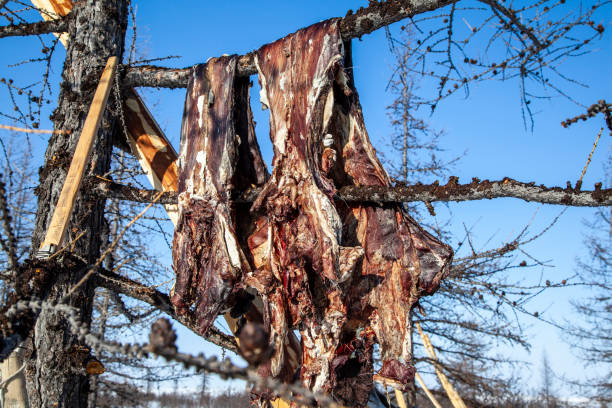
503 283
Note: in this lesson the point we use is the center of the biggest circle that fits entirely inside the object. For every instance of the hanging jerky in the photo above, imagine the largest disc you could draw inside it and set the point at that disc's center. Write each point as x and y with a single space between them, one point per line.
297 250
207 257
339 298
252 172
402 261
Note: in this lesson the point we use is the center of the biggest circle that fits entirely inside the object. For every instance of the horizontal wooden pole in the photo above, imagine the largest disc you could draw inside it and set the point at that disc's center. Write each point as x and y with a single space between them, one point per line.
353 25
451 191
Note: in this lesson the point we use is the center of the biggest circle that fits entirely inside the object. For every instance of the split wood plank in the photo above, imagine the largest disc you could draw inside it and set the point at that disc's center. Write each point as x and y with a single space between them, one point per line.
431 397
453 396
154 152
63 209
401 401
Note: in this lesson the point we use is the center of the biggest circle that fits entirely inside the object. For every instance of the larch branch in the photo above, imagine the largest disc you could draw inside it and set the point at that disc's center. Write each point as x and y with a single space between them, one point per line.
353 25
43 27
161 301
451 191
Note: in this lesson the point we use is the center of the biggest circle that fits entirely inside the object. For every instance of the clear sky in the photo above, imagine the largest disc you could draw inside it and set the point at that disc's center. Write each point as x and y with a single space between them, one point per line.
488 126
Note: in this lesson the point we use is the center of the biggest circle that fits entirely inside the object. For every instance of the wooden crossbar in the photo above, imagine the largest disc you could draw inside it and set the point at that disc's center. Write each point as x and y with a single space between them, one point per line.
63 209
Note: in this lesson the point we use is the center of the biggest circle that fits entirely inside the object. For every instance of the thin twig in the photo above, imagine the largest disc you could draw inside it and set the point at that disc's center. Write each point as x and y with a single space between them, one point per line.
579 183
25 130
110 248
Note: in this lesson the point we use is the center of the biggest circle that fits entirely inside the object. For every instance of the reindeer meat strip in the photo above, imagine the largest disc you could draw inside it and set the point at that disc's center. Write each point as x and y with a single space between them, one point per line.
219 153
345 276
207 257
300 263
402 261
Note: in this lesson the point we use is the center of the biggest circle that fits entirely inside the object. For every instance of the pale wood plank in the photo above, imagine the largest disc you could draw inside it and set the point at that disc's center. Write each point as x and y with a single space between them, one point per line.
65 204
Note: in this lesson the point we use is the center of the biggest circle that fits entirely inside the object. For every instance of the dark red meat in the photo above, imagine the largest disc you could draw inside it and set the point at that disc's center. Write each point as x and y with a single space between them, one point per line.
207 257
344 275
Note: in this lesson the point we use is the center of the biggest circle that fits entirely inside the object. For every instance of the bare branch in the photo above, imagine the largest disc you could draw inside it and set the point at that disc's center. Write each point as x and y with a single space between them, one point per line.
451 191
10 246
225 368
42 27
161 301
495 5
353 25
600 107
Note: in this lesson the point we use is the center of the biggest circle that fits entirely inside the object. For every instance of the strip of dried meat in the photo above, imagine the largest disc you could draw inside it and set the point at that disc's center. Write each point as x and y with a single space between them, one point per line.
402 261
219 153
207 257
345 275
298 254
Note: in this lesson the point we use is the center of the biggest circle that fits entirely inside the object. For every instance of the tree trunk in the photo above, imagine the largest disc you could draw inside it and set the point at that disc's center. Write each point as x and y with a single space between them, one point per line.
54 372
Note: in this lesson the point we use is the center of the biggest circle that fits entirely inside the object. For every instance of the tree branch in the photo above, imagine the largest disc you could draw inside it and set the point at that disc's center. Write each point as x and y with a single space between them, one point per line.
451 191
161 301
43 27
495 5
353 25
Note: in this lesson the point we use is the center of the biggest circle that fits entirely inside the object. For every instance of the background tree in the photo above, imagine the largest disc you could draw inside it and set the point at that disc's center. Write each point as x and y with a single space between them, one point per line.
547 393
591 336
476 307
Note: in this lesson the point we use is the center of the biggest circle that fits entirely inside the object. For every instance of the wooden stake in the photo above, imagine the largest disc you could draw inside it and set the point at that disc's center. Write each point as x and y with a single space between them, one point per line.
453 396
63 209
401 401
431 397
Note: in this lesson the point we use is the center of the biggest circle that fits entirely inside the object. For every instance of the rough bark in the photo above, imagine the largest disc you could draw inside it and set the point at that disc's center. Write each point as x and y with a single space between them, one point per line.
452 191
353 25
54 373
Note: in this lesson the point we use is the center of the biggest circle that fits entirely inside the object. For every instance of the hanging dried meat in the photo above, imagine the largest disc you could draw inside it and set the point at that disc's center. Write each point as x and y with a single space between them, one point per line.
219 154
300 262
207 257
402 261
345 275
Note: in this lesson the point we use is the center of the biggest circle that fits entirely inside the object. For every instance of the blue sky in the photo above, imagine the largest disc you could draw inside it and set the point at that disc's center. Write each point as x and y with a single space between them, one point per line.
488 126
